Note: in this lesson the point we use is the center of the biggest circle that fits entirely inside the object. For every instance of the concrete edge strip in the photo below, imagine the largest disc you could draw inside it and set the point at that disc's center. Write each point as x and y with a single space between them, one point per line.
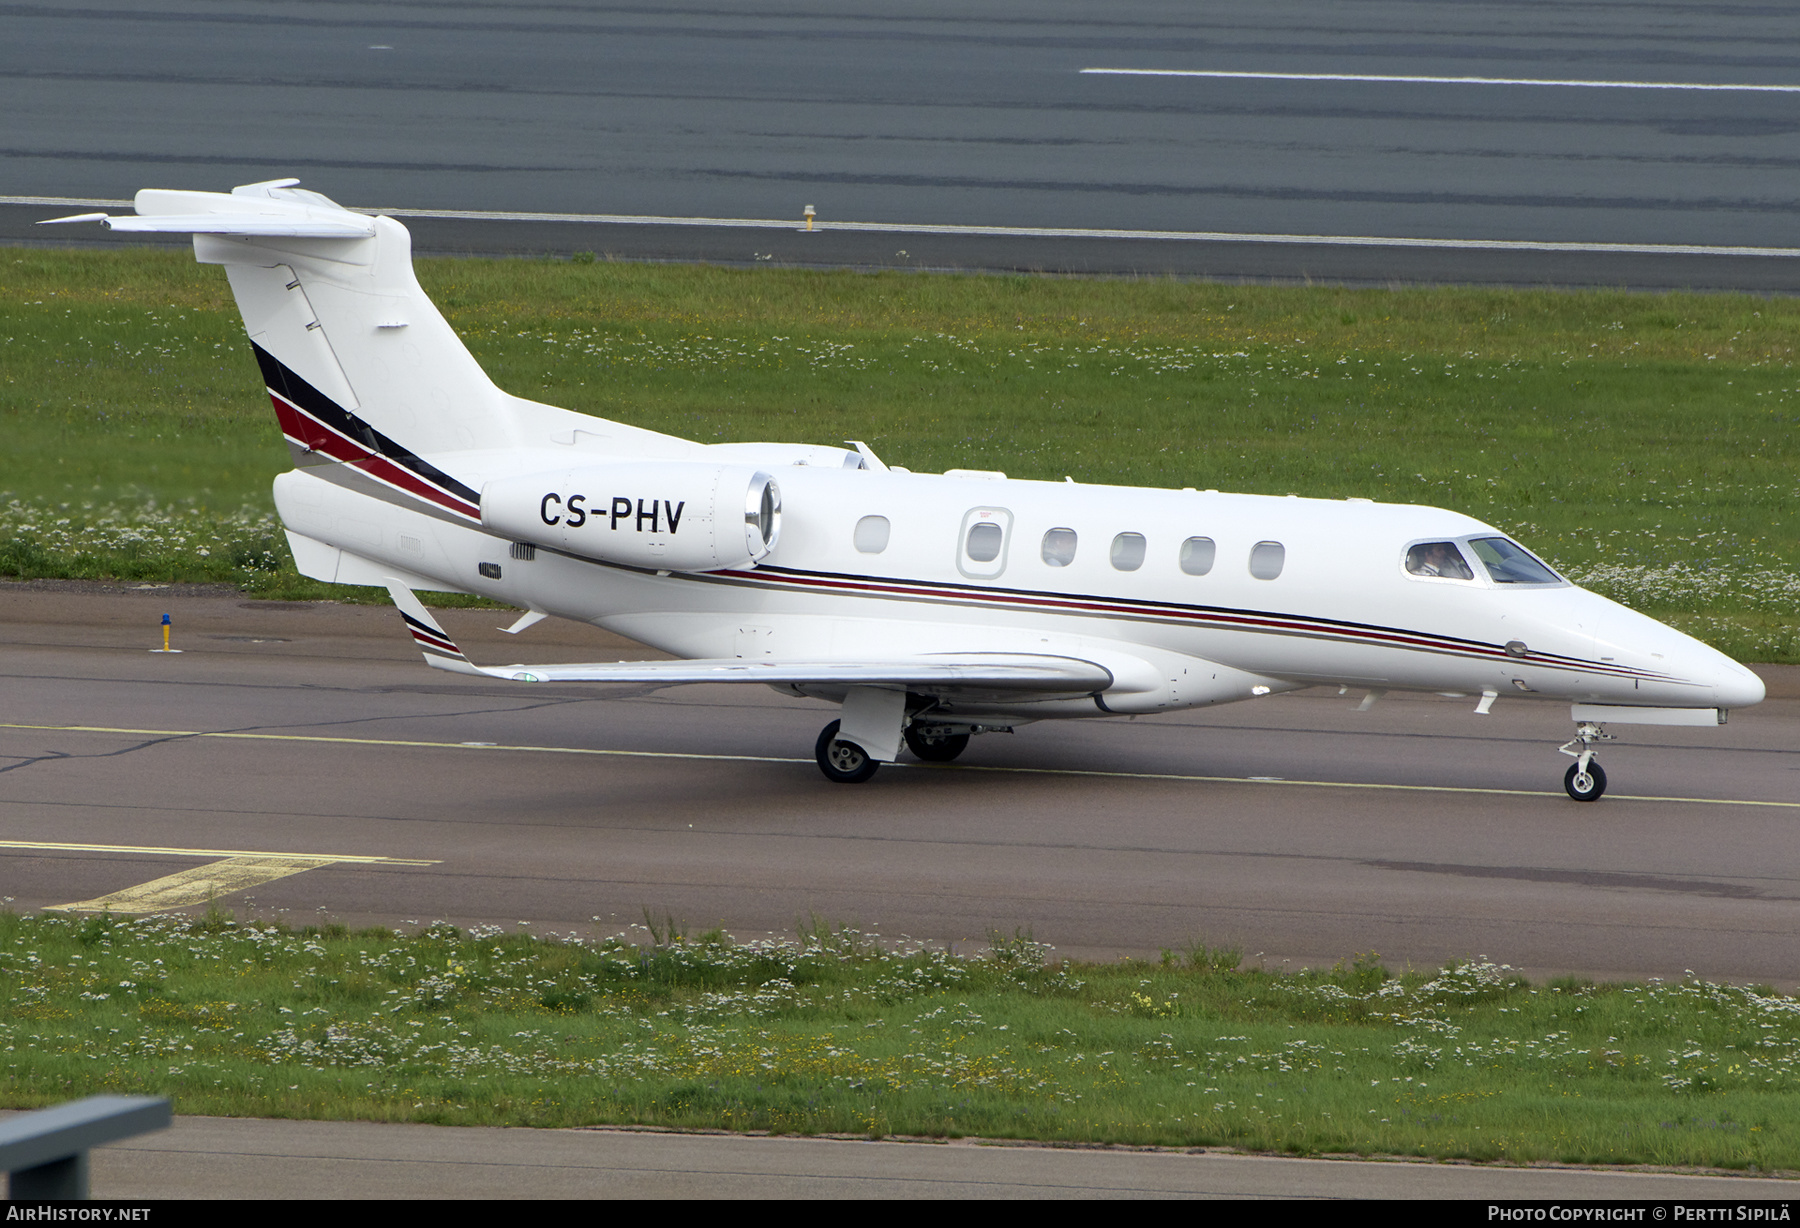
1022 771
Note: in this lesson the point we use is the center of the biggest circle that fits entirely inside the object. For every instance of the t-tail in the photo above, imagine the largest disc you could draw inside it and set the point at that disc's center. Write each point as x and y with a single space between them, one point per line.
360 365
373 388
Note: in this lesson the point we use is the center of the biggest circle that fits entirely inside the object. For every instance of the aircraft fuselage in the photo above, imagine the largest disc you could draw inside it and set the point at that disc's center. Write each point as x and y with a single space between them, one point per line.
1340 606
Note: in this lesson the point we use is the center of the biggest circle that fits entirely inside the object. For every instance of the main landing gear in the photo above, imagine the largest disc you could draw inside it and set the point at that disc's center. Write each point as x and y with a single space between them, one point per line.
1585 780
935 744
845 763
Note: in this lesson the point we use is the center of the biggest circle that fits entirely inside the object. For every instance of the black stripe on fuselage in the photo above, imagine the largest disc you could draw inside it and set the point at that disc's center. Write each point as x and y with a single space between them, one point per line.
1218 617
309 399
1080 605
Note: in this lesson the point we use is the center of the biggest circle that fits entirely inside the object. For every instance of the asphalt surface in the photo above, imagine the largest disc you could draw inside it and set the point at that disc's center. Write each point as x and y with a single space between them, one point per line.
1418 830
399 795
210 1157
926 113
1284 262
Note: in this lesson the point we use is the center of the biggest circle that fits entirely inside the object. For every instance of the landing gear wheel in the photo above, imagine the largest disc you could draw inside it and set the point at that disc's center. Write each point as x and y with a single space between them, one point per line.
1585 786
941 748
844 763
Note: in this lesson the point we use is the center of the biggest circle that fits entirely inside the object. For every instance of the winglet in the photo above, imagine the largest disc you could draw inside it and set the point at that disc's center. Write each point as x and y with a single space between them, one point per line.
440 650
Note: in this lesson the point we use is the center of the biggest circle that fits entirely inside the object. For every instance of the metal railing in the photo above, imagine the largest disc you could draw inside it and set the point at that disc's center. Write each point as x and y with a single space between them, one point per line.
45 1154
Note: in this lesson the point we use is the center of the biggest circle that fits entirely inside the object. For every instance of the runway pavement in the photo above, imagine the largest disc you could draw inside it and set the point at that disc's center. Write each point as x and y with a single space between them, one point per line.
1476 121
302 760
1277 259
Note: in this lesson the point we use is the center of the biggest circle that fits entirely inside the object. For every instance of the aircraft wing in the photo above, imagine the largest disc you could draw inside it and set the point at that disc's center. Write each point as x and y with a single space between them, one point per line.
1020 672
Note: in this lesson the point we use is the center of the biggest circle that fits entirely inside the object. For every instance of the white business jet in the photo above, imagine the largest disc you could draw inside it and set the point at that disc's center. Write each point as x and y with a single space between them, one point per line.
931 606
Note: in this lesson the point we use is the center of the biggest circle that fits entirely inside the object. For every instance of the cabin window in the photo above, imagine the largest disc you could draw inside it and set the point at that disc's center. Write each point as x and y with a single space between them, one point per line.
1059 547
1510 563
1197 555
1441 559
872 534
1267 560
1128 551
984 542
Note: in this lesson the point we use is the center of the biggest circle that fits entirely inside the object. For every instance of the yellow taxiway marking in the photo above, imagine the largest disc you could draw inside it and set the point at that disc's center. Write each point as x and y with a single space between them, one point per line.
66 846
239 870
198 885
1025 771
307 737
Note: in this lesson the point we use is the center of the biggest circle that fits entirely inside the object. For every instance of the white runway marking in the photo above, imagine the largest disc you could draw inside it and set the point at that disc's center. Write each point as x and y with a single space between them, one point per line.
1380 77
1271 781
1028 232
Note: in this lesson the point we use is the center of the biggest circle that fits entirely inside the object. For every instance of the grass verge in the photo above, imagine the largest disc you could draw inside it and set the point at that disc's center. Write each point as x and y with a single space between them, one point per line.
1645 443
839 1033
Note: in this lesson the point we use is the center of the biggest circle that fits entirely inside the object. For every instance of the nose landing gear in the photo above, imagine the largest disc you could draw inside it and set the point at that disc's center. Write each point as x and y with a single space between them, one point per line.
1585 786
1585 780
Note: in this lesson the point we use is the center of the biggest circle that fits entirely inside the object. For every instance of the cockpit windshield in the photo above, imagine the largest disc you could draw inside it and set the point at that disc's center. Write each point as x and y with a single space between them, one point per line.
1510 563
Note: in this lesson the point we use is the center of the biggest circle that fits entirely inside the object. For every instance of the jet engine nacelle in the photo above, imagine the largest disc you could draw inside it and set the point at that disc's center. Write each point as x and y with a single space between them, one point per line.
666 515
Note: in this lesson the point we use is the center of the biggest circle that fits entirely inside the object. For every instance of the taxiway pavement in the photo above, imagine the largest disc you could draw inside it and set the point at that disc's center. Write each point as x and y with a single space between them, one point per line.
211 1157
304 757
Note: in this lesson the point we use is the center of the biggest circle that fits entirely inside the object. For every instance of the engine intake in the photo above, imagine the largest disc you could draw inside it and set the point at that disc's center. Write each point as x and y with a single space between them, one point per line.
666 515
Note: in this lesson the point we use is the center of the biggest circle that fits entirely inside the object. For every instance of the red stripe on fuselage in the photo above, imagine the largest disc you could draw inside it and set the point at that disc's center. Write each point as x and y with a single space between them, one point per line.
316 436
1299 625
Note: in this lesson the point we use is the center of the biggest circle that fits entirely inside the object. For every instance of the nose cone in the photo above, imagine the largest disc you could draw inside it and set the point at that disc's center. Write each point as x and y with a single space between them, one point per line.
1696 675
1737 687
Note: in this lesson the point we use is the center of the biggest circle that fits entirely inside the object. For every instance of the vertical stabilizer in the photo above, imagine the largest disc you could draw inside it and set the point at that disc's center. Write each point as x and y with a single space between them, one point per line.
367 377
362 368
350 319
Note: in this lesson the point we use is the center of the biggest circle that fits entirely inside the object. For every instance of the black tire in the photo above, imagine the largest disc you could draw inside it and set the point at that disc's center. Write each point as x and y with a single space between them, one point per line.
844 763
1586 788
941 749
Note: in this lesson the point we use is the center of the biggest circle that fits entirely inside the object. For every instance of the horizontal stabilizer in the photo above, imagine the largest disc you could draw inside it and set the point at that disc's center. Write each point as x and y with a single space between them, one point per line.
249 225
271 210
1026 673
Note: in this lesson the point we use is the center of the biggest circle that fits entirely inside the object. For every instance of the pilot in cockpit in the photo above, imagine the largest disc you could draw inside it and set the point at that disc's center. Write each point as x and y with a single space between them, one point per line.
1441 559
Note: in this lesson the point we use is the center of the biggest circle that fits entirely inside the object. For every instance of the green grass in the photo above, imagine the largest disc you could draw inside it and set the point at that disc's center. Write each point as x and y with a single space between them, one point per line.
1645 443
837 1033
